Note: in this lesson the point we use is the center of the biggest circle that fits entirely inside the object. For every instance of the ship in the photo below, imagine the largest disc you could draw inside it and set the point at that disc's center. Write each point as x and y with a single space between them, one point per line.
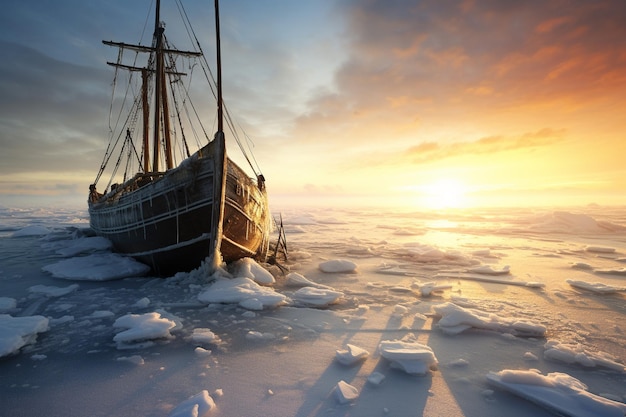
173 215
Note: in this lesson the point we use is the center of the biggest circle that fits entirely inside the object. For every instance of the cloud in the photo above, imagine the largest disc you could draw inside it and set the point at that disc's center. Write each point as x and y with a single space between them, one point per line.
430 152
458 60
50 111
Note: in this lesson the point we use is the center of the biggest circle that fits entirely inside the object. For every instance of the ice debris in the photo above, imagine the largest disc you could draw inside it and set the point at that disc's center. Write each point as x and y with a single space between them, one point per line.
141 327
16 332
411 357
351 355
456 319
337 265
557 392
198 405
345 392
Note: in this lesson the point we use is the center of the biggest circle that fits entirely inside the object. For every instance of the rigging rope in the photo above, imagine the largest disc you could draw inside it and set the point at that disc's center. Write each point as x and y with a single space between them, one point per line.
191 33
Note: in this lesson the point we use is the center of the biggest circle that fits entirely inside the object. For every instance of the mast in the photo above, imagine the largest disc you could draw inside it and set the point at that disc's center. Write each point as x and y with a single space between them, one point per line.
158 37
161 122
146 119
220 111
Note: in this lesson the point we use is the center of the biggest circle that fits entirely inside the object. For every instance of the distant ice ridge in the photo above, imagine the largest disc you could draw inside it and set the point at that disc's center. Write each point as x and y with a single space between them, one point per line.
566 222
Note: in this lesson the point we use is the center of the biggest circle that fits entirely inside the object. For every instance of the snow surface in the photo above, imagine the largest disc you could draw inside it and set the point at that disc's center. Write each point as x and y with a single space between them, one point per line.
379 314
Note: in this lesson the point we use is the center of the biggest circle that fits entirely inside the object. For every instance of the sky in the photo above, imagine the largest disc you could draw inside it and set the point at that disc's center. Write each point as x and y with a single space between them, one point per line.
425 104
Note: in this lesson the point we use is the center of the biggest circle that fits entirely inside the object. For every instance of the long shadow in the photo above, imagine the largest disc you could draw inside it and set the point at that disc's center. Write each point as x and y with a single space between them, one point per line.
398 390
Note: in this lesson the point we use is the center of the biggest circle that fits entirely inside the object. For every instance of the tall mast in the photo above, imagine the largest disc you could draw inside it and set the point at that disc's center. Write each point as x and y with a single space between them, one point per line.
161 122
158 35
220 111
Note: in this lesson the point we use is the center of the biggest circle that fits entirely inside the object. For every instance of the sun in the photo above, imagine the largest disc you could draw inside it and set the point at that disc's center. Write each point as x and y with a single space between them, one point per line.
444 193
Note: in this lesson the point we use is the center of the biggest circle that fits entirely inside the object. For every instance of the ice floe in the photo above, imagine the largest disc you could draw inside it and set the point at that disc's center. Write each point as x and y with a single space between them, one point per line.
345 393
427 289
611 271
298 280
456 319
314 296
599 249
411 357
97 267
351 354
337 266
33 230
248 268
576 353
16 332
7 304
142 327
557 392
198 405
596 287
51 291
82 245
490 270
204 336
242 291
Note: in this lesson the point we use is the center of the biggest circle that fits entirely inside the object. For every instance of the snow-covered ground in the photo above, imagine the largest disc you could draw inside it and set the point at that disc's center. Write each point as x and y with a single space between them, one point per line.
382 313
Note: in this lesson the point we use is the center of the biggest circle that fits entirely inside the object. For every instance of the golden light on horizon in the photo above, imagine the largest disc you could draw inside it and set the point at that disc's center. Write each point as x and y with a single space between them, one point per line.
443 193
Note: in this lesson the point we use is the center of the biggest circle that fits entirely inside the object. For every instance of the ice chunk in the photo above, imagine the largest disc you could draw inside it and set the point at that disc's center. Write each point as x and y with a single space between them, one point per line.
237 290
411 357
254 335
612 271
16 332
577 353
84 245
345 392
297 280
135 359
429 288
97 267
203 335
198 405
375 378
490 270
7 303
596 287
53 291
142 303
456 319
33 230
337 265
200 351
351 355
248 268
557 392
317 296
141 327
599 249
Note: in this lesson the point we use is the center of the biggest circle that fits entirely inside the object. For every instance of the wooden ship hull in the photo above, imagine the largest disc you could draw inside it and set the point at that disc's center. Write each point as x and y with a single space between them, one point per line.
172 221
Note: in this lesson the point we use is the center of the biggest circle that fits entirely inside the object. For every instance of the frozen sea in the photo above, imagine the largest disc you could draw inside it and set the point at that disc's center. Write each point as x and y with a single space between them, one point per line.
516 312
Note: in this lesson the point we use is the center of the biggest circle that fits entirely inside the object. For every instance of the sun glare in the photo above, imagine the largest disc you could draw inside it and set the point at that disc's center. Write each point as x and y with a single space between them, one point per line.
445 193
